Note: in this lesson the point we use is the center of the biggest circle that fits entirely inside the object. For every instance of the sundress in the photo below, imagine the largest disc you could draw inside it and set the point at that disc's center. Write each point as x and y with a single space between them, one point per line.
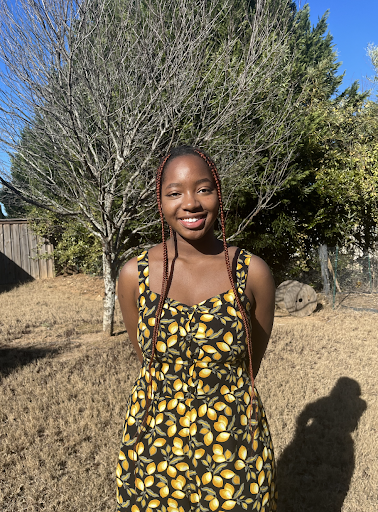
195 452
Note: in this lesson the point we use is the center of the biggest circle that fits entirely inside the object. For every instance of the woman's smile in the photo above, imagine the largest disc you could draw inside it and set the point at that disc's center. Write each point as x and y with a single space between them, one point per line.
193 222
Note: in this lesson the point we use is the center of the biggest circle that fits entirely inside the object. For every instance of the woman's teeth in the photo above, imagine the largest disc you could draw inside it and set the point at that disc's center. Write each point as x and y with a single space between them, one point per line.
192 220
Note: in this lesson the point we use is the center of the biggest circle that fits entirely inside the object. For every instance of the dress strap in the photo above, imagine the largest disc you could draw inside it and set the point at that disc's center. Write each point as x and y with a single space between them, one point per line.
143 268
242 266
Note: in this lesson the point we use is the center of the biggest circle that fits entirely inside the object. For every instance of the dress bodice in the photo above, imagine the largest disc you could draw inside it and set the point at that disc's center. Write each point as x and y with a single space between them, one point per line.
211 331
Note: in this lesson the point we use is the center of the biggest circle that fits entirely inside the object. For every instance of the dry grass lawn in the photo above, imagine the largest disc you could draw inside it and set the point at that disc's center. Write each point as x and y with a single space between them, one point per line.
64 390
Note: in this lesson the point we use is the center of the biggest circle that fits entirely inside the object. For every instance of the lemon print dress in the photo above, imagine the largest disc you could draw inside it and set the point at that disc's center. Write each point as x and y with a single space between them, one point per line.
195 452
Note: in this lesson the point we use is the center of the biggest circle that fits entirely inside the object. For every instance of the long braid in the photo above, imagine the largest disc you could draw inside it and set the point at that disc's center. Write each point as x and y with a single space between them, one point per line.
246 324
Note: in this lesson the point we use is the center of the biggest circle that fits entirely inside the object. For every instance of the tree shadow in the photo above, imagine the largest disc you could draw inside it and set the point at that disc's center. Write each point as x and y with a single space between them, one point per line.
13 358
315 470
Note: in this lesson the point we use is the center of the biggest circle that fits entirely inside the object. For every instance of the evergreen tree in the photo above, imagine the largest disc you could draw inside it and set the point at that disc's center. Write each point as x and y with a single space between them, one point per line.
309 211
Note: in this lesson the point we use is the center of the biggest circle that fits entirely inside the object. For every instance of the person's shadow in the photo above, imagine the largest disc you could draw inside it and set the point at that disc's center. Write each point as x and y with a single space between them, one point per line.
315 470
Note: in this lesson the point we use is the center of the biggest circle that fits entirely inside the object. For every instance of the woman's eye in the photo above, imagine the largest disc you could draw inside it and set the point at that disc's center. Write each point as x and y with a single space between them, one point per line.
204 190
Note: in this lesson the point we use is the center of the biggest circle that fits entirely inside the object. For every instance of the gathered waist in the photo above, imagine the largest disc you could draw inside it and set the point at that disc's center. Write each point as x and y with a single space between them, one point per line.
189 365
189 378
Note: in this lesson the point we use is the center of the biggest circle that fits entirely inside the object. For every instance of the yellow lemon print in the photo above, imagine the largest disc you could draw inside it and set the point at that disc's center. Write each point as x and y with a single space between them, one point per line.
193 447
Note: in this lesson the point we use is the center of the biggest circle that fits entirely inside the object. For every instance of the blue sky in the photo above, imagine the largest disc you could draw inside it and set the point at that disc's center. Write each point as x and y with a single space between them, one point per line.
353 26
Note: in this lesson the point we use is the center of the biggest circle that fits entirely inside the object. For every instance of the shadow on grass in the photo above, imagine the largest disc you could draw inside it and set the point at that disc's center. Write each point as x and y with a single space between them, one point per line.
4 288
119 333
13 358
315 470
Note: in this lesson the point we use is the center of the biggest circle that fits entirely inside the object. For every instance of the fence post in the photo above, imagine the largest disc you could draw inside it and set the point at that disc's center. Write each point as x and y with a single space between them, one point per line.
370 279
323 258
335 277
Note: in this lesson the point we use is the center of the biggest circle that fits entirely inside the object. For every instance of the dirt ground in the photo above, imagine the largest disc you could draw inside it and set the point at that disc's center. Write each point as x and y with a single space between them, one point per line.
64 388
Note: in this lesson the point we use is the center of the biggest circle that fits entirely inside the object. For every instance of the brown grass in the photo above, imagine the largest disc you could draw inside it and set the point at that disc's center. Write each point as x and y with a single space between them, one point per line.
318 383
64 390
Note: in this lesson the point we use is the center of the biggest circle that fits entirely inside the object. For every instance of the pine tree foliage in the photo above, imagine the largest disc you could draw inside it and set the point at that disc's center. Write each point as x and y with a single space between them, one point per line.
331 196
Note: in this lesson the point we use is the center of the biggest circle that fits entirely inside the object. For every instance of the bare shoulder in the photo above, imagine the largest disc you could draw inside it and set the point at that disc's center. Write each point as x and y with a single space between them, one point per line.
258 268
259 278
129 270
233 250
128 281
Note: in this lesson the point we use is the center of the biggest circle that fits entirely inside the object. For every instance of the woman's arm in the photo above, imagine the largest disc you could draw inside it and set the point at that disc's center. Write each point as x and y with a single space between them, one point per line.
128 292
260 286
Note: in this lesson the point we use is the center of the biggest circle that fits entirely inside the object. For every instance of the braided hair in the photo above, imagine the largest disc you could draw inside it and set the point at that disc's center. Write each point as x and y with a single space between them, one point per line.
181 151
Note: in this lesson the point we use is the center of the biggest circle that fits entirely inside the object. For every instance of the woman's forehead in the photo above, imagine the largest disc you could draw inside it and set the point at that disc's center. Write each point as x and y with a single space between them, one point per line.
186 167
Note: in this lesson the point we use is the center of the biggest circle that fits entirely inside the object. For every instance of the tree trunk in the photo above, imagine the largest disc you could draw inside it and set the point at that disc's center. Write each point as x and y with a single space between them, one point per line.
323 257
110 287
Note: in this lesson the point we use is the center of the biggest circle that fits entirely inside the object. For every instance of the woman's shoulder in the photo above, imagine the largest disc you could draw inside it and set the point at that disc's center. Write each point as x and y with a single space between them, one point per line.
258 269
252 259
130 270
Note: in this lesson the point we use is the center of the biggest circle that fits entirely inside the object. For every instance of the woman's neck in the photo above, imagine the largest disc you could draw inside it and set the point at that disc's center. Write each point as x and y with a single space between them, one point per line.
188 249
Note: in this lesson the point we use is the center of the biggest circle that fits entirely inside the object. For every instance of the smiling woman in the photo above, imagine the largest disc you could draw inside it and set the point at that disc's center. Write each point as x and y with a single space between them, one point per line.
195 436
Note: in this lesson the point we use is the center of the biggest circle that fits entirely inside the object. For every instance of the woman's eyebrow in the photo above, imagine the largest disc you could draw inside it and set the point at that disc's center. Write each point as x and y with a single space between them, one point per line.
202 180
171 185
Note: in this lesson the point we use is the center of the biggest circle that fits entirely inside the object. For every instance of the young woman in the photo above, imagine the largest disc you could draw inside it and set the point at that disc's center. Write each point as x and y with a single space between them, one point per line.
199 314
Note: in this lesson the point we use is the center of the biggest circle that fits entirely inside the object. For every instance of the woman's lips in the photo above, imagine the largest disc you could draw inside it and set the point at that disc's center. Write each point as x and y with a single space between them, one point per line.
193 222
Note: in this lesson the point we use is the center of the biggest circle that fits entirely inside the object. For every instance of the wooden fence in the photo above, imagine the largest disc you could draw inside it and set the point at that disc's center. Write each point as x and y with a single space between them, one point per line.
19 251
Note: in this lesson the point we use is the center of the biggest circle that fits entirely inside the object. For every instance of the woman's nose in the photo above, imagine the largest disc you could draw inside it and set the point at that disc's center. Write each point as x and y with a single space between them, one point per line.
190 201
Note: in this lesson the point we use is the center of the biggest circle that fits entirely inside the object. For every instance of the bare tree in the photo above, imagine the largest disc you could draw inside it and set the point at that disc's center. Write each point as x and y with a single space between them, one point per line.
95 91
372 53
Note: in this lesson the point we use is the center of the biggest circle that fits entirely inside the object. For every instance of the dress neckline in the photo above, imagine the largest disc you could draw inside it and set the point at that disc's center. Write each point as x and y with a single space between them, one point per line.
218 295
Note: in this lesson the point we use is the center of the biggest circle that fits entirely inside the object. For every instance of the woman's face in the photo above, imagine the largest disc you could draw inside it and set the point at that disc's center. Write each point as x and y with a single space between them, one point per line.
189 196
